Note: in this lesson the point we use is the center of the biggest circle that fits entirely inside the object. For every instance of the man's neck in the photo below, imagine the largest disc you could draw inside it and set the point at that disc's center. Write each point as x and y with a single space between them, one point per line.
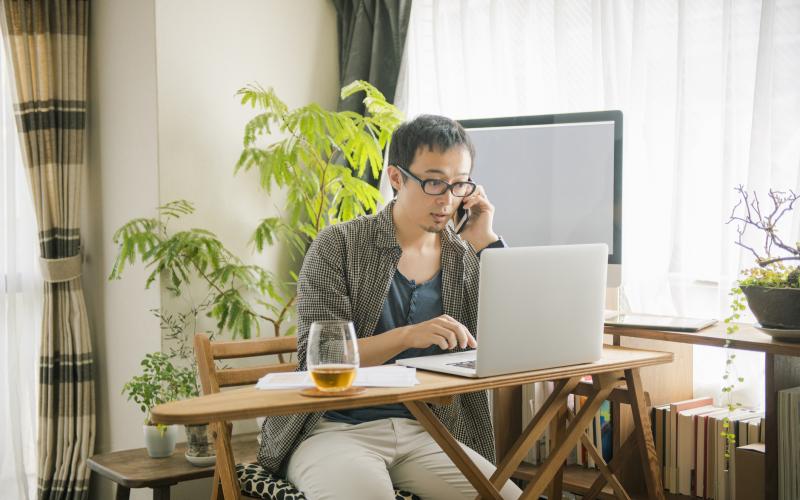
410 235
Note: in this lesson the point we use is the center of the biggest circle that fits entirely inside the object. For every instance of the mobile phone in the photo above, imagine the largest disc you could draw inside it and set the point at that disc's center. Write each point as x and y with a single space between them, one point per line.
462 216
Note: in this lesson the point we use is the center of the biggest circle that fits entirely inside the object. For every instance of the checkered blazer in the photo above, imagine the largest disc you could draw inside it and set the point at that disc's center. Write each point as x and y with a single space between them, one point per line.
346 275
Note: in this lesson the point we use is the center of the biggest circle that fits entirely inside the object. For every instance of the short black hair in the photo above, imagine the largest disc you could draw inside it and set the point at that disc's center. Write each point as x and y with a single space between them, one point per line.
438 133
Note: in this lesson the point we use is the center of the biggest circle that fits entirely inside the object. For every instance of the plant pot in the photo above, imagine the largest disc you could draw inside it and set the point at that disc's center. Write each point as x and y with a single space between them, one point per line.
774 307
199 448
158 444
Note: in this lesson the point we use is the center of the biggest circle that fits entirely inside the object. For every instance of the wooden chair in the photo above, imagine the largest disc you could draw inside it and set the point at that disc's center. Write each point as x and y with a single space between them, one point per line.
257 483
212 379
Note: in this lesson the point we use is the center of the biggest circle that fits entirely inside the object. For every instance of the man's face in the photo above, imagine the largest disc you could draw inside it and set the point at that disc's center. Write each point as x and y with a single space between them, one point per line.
431 212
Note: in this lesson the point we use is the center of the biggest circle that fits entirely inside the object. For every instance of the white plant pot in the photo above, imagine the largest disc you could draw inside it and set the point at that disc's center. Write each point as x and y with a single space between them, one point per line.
158 445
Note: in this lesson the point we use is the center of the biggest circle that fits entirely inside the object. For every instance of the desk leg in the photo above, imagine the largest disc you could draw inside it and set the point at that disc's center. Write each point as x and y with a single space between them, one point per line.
644 435
604 384
615 465
533 431
616 414
557 429
226 465
442 436
161 493
123 492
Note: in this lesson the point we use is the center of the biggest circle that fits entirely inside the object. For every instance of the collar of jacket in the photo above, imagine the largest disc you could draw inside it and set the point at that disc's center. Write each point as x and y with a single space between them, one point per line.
387 233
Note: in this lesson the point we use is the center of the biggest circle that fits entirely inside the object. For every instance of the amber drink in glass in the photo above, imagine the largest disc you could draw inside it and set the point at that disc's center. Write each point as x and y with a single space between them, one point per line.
332 356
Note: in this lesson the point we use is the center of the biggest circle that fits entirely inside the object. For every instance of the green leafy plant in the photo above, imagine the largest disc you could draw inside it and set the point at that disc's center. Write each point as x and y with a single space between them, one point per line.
160 382
318 163
770 271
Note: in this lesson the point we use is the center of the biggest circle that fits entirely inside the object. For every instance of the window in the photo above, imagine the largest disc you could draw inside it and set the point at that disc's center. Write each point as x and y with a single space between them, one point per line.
710 100
20 309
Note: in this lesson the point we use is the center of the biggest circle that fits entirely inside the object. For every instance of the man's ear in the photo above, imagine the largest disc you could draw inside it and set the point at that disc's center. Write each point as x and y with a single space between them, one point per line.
395 177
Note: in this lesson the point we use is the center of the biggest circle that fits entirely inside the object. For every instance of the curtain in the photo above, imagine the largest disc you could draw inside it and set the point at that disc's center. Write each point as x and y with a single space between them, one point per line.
711 100
47 42
371 38
372 34
20 309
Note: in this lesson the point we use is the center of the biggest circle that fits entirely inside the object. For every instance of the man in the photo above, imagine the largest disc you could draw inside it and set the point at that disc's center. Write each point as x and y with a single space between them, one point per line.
409 283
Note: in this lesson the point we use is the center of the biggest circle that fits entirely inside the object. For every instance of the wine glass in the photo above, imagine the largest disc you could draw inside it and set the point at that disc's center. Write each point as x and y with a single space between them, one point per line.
332 356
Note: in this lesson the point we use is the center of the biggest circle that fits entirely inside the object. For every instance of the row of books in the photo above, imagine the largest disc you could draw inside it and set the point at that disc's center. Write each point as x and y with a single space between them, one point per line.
690 438
599 432
691 442
789 444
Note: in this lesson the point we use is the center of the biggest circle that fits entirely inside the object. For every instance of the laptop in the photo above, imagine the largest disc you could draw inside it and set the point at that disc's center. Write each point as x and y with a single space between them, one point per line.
538 307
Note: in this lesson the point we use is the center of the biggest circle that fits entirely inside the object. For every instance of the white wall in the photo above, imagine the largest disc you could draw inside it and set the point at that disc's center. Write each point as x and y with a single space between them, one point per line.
122 179
165 124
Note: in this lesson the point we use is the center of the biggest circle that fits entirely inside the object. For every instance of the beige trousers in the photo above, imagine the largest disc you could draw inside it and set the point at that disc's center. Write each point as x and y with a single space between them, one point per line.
351 462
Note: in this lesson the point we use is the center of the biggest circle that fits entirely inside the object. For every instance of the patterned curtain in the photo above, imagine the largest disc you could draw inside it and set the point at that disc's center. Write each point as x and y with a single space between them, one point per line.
47 41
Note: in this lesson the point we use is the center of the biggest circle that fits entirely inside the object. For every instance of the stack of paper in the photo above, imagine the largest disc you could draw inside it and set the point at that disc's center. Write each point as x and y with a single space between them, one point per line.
373 376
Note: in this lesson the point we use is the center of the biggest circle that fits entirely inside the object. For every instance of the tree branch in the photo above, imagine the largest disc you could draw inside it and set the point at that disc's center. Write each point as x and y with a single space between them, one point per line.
782 204
777 259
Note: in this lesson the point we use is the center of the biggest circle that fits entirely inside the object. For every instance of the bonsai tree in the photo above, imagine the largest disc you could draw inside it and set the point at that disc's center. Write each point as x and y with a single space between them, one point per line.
777 268
771 270
160 382
318 163
777 262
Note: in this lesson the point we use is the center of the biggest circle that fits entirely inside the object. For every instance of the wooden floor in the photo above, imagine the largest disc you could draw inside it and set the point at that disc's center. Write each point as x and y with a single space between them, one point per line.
579 479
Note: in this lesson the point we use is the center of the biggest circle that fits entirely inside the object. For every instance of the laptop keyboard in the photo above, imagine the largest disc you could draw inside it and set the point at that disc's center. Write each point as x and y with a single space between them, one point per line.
464 364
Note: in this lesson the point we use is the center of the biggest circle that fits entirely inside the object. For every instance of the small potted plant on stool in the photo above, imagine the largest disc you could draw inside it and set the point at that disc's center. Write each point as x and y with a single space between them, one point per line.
160 382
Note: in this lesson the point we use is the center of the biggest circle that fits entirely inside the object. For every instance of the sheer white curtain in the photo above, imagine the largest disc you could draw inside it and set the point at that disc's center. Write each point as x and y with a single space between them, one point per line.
710 92
20 310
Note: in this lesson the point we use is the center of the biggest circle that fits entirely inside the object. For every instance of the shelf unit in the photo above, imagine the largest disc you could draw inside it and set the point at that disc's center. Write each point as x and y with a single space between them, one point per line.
666 384
781 367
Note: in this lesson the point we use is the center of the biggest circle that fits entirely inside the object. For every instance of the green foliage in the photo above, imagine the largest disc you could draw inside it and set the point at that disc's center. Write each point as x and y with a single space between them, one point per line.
160 382
317 163
775 275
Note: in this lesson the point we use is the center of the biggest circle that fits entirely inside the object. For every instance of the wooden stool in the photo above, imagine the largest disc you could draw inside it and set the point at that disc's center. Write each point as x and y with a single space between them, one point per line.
135 469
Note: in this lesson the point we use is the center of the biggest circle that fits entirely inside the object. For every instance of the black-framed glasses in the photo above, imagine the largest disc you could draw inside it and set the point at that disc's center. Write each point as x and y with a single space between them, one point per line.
435 187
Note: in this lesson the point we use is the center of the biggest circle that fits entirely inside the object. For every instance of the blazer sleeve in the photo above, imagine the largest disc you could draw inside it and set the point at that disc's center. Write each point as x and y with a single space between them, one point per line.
322 291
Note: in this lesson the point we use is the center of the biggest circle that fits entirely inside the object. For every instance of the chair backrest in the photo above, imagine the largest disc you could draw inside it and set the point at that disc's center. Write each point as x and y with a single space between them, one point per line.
213 378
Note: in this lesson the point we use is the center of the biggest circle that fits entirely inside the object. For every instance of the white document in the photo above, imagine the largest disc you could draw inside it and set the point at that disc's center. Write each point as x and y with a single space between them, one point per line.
373 376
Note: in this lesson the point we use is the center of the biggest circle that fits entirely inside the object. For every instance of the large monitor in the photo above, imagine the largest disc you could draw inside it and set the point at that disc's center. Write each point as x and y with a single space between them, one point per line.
554 179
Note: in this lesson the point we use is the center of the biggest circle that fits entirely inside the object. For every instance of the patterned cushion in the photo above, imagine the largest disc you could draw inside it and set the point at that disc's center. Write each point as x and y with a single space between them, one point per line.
257 482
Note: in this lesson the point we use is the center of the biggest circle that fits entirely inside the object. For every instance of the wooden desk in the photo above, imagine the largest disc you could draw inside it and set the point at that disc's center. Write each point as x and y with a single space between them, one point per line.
136 469
618 366
782 370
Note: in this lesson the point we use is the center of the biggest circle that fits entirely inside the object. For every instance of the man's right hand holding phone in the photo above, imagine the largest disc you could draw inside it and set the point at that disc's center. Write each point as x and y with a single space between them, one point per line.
478 231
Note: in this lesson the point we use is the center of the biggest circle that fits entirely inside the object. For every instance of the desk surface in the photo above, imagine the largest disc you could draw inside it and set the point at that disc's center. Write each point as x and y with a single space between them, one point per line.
250 402
748 338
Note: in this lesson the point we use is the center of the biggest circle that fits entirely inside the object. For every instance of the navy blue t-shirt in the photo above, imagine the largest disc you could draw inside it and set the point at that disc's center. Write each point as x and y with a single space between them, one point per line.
408 303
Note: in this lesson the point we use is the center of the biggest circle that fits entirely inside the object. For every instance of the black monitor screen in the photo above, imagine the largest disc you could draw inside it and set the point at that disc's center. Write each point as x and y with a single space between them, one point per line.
554 179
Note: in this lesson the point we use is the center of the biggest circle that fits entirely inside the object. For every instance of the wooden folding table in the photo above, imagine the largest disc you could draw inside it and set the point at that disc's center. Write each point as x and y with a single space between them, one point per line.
618 367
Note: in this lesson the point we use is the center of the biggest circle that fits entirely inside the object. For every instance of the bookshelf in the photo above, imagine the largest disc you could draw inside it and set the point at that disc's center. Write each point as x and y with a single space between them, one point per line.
666 384
782 370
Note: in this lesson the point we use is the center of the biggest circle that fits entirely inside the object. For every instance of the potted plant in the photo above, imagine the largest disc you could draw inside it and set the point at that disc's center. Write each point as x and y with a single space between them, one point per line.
318 163
771 289
159 382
